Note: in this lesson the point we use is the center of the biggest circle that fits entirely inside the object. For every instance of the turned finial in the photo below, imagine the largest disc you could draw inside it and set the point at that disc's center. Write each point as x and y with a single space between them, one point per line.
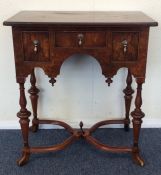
81 127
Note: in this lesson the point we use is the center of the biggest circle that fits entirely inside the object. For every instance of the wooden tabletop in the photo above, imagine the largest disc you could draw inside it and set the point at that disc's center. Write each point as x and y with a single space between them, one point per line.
80 17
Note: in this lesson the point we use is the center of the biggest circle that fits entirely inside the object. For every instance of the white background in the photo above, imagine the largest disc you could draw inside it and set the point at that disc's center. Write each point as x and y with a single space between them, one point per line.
80 92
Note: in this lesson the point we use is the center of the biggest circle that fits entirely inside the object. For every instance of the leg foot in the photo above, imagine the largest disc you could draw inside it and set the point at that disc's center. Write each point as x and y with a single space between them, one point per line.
126 127
137 159
35 125
24 159
34 128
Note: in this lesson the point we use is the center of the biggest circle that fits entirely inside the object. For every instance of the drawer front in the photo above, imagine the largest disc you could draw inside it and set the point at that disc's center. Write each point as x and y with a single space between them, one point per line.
36 46
80 39
125 46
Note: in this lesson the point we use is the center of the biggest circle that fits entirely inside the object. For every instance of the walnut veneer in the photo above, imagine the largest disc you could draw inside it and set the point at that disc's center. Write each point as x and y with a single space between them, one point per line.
115 39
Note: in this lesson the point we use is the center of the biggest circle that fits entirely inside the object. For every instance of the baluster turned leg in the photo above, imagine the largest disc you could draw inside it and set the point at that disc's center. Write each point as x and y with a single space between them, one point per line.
128 91
137 115
24 114
34 100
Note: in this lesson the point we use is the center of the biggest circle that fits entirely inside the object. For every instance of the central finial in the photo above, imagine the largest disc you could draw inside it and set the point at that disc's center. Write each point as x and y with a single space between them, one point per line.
81 127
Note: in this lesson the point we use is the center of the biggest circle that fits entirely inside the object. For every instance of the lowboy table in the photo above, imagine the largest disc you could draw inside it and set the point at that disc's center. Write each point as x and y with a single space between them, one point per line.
45 39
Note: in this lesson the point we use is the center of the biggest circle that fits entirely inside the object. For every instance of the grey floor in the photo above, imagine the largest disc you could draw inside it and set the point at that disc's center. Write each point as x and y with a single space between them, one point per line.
80 158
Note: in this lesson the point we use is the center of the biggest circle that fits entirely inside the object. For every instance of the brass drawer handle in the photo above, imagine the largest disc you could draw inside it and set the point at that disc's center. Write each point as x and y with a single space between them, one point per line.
125 45
36 43
80 39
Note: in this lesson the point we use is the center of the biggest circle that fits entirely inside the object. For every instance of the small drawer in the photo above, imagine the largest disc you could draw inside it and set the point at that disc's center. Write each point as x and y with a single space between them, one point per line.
80 39
36 46
125 46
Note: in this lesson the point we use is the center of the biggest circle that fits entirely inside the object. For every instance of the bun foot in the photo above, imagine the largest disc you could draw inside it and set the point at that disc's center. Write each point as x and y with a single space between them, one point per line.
126 127
34 128
24 159
138 160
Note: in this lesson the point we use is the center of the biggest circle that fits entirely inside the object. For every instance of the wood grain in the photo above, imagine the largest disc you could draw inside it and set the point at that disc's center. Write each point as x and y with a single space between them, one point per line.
47 39
82 17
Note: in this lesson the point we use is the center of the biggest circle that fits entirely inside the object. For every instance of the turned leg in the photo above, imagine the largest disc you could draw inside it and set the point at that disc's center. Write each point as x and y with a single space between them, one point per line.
34 100
24 114
137 115
128 91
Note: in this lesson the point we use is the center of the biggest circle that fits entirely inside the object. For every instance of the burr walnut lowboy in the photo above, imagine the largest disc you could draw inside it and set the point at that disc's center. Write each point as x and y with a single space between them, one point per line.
46 39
